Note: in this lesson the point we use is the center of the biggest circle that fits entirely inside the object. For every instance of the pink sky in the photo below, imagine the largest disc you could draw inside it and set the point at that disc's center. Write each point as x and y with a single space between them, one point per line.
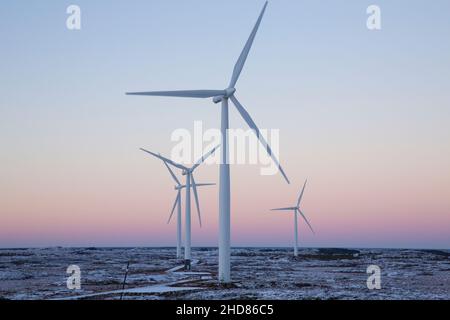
350 201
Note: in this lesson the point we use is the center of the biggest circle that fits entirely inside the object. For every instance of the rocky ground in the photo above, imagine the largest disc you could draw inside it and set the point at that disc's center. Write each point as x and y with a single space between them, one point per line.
258 273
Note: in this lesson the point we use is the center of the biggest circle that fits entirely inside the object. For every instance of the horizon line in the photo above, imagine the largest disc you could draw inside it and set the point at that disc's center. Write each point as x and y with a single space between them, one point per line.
216 247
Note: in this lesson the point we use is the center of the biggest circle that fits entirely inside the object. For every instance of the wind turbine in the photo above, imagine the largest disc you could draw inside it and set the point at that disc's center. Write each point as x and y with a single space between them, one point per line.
190 182
177 205
297 211
224 96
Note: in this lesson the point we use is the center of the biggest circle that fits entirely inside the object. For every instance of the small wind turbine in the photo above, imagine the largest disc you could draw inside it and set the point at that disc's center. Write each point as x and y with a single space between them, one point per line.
297 210
190 182
177 205
223 96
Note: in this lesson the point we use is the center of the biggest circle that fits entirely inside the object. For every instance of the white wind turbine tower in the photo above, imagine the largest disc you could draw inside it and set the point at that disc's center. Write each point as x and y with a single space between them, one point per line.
224 185
190 183
297 211
177 205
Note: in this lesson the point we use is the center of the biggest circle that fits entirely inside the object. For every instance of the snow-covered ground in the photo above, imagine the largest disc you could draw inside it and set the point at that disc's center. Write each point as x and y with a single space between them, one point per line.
258 273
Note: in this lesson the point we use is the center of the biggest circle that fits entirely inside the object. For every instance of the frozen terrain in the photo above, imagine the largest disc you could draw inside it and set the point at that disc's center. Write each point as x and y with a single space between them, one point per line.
258 273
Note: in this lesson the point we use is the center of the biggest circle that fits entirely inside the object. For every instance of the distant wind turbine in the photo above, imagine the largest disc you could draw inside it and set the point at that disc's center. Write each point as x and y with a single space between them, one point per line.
224 187
297 211
177 205
190 182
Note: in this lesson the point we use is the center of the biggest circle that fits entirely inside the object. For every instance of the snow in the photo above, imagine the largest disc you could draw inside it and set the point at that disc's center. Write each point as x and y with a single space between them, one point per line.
142 290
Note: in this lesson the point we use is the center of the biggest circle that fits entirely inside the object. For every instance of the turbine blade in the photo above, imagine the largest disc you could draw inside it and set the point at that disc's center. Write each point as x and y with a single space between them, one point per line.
194 187
203 158
253 126
301 194
172 174
283 209
181 93
177 199
244 54
179 166
205 184
306 220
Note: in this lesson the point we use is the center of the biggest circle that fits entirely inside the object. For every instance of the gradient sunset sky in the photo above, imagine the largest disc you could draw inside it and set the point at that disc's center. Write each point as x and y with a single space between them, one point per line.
364 115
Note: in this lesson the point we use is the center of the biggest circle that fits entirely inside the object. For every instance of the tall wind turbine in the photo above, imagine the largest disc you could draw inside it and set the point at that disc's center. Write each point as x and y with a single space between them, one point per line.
177 205
190 183
297 211
224 96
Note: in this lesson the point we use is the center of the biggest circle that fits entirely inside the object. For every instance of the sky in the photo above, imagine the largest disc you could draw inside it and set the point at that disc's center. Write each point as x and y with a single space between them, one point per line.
364 115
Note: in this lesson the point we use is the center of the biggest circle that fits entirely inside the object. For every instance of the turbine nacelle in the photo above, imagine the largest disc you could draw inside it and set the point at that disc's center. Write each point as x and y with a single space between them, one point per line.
217 99
228 93
181 187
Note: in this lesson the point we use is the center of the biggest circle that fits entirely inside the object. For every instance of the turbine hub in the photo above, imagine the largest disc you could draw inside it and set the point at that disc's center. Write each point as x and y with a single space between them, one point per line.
228 93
